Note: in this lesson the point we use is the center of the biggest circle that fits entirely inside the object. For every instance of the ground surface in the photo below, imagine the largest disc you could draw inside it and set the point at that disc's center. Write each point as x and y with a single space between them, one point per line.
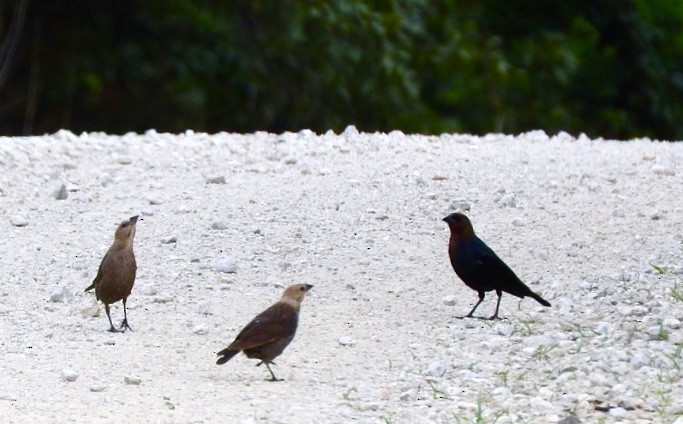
594 226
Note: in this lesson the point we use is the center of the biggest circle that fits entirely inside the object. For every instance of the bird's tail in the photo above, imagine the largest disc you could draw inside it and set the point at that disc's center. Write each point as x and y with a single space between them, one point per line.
225 355
539 299
90 287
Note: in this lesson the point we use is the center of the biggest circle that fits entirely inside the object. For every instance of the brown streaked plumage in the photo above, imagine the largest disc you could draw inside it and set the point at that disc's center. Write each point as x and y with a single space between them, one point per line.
267 335
116 275
479 267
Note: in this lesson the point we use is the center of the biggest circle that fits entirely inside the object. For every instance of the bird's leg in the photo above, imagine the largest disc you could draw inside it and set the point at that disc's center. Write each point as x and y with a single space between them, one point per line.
481 299
124 323
500 295
271 373
111 329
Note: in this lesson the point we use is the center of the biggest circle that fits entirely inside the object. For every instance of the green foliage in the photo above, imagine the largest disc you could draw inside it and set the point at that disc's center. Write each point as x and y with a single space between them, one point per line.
612 68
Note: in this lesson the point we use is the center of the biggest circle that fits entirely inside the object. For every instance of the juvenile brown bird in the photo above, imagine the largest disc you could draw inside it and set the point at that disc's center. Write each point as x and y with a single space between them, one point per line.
479 267
267 335
116 275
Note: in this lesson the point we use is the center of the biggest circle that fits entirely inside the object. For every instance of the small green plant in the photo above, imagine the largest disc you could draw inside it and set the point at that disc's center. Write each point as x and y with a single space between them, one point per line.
676 293
675 356
542 352
504 377
659 269
436 392
662 334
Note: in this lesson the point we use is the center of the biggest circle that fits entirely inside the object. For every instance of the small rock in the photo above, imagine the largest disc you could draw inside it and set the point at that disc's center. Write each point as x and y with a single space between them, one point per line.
572 419
169 404
106 180
438 177
133 381
434 369
460 205
508 200
673 323
290 161
124 160
60 294
618 412
62 193
97 388
69 375
199 329
169 240
431 196
18 220
216 180
350 131
408 395
617 213
449 300
205 308
219 225
656 216
517 222
93 311
226 264
148 290
346 341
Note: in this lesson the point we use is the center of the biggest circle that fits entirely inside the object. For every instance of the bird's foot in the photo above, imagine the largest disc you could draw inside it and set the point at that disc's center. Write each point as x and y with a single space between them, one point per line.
494 318
114 330
275 379
124 326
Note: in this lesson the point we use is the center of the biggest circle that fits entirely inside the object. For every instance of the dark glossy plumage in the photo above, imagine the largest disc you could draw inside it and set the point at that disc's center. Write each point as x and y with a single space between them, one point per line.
116 274
267 335
479 267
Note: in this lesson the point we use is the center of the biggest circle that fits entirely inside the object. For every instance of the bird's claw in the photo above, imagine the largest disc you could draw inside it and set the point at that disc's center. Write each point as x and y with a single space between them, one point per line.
124 326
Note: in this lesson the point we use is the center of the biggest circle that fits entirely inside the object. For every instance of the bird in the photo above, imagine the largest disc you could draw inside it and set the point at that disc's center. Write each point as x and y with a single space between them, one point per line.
116 274
479 267
267 335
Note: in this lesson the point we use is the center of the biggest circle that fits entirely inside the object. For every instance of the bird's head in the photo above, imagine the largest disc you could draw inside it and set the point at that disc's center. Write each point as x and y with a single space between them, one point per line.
459 224
296 292
126 231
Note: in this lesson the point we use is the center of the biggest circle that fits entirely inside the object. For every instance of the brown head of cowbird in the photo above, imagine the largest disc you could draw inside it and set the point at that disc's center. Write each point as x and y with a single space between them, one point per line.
479 267
116 275
267 335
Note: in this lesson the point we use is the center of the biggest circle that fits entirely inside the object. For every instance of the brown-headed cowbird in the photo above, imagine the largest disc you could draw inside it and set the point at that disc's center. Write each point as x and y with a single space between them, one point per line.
267 335
116 275
479 267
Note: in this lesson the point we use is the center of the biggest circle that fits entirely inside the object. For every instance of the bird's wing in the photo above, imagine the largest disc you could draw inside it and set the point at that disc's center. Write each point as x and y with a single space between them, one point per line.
278 321
495 273
98 277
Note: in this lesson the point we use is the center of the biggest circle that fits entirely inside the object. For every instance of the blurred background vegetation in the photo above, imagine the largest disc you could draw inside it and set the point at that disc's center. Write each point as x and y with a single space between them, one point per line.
611 68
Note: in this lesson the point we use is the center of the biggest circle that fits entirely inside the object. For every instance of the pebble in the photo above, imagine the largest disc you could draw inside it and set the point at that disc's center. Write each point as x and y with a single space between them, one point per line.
97 388
216 180
18 220
431 196
206 308
62 193
346 341
618 213
92 311
148 290
68 375
219 225
449 300
131 380
169 240
60 294
460 205
199 329
226 264
434 369
518 222
508 200
407 395
571 419
673 323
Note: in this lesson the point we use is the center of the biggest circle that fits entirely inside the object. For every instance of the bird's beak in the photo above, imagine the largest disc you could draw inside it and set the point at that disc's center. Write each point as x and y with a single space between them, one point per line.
445 219
134 219
308 287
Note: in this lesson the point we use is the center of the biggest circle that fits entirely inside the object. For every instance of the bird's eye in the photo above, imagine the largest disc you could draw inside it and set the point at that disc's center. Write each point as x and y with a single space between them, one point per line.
124 225
303 288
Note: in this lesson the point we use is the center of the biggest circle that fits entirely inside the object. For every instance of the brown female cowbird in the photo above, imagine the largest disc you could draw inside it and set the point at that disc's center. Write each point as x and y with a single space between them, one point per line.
267 335
116 275
479 267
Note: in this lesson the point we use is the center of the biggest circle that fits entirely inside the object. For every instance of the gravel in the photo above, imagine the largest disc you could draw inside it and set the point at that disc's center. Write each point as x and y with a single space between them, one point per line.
594 226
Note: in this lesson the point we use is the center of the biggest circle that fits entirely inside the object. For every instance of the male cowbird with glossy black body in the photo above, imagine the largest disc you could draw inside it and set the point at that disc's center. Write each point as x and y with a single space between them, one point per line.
116 275
479 267
267 335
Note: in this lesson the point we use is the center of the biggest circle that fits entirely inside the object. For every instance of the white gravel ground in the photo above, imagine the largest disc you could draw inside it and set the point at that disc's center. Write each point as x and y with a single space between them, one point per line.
593 226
